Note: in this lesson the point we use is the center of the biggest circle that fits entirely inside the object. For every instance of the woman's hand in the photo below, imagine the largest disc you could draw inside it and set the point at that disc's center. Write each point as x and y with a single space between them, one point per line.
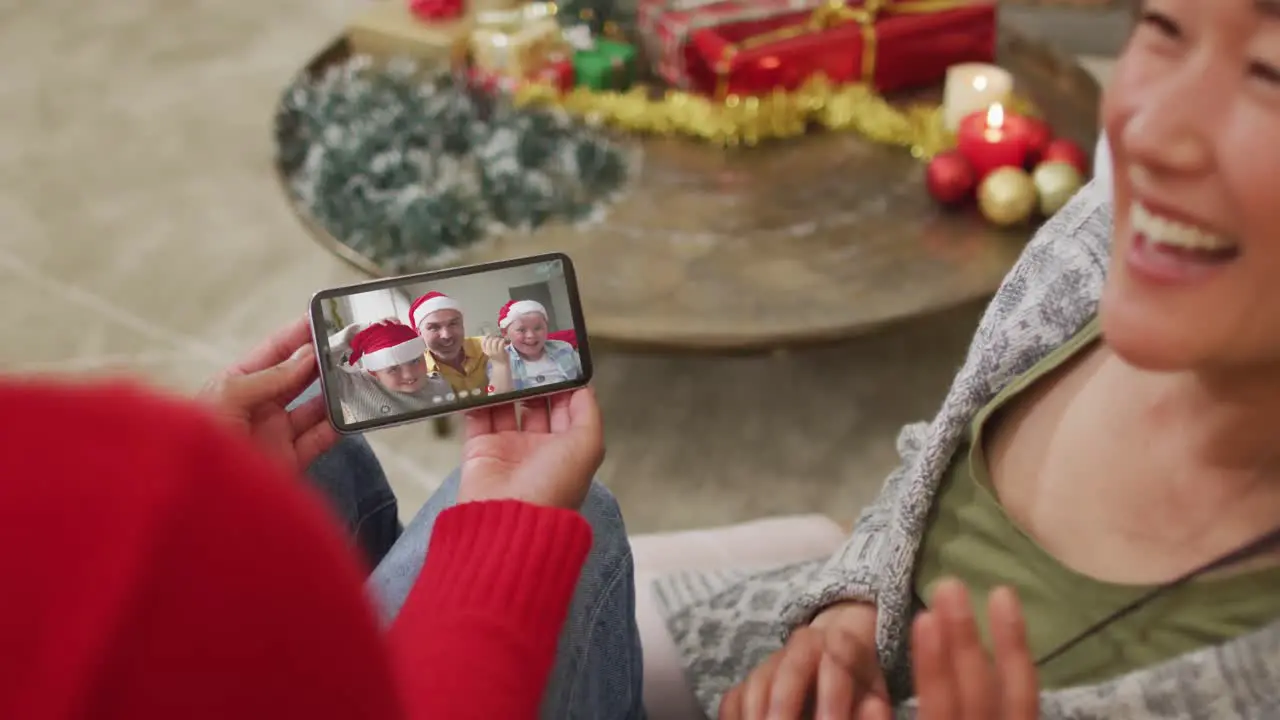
253 394
954 678
547 457
825 671
495 348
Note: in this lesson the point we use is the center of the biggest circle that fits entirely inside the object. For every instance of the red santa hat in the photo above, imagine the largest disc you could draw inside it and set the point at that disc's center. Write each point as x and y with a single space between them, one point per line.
516 308
385 344
429 303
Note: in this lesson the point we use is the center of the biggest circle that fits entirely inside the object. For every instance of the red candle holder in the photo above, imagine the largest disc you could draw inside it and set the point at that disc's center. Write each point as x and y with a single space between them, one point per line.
985 140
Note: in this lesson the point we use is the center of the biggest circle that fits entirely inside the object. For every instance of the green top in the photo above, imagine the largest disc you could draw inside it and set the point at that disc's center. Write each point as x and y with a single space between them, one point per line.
971 538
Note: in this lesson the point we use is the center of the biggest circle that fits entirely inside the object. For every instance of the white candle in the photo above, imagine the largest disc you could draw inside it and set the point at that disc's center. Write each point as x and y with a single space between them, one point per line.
1102 165
972 87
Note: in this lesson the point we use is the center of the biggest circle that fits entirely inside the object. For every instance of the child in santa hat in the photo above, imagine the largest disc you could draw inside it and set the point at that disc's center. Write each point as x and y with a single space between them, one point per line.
524 357
385 371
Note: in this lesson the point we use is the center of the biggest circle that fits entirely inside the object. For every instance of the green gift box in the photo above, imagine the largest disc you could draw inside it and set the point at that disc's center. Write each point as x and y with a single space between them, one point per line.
607 66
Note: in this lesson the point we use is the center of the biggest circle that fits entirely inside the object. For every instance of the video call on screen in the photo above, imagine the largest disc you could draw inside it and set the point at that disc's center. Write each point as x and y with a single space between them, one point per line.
428 345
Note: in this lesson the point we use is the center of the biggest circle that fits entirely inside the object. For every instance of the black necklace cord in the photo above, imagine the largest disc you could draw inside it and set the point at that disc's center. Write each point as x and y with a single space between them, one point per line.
1249 550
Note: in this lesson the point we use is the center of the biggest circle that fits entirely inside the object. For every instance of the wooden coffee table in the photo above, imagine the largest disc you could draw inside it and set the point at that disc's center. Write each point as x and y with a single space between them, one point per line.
797 242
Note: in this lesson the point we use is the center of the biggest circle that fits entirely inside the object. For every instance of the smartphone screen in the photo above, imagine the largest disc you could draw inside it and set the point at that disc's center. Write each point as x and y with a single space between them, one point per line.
419 346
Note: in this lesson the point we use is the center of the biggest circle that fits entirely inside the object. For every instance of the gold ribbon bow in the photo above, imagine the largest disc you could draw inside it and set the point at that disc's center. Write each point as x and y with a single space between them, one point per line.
830 15
519 40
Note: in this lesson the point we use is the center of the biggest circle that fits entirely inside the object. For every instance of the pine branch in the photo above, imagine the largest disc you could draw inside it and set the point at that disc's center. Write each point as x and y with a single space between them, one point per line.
407 170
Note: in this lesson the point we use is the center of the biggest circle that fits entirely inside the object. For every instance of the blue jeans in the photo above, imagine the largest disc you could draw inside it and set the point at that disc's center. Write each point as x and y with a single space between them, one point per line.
350 478
597 671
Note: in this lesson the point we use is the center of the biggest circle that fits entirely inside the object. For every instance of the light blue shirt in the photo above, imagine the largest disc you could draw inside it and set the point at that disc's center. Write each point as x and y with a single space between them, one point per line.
561 363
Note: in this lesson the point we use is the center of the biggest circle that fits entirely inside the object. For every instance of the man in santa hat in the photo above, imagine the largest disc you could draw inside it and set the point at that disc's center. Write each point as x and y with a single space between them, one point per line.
385 371
531 358
459 359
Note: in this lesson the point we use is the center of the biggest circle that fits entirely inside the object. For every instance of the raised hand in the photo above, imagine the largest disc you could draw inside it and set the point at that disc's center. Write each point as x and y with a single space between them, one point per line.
495 348
546 457
254 393
825 671
954 677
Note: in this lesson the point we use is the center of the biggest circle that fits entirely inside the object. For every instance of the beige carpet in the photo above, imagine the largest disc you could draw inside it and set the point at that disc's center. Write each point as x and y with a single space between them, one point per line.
141 232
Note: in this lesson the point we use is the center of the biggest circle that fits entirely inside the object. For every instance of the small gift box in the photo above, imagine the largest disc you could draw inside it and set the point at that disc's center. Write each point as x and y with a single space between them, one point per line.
558 72
608 65
666 26
388 29
517 43
889 44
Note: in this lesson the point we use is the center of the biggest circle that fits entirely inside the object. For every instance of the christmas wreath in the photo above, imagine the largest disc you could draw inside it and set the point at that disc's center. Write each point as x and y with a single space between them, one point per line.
408 170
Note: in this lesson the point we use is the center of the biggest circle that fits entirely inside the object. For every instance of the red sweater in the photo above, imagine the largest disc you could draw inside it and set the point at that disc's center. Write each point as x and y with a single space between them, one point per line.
153 565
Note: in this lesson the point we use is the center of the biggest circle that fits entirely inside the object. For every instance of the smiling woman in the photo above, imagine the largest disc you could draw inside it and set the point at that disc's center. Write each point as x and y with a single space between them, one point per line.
1108 449
1194 120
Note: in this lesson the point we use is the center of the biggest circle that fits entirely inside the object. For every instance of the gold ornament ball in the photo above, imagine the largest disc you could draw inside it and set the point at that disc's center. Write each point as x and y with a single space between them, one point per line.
1007 196
1056 182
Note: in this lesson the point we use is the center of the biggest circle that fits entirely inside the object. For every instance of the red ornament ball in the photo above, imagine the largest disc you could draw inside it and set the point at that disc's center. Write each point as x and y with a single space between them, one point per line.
1036 134
950 178
437 10
1065 151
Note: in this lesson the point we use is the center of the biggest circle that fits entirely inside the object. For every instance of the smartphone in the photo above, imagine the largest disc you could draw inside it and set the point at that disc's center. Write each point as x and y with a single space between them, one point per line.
420 346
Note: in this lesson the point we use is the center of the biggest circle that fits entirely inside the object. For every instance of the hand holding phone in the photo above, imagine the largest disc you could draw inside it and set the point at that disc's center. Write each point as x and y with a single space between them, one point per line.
253 395
398 350
550 460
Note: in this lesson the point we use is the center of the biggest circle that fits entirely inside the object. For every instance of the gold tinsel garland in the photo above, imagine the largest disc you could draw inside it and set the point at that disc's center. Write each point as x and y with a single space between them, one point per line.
747 121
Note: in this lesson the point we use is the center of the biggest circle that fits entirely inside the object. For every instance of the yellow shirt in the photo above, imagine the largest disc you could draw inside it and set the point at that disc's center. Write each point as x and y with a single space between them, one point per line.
475 368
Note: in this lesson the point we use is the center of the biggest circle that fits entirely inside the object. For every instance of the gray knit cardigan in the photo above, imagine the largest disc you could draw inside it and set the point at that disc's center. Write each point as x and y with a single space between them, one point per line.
725 623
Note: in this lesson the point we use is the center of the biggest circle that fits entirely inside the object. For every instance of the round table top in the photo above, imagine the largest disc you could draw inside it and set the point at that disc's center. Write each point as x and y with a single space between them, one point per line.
794 242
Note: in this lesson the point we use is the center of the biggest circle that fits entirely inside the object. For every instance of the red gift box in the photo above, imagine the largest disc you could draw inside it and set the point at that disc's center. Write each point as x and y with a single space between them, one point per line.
665 27
892 45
